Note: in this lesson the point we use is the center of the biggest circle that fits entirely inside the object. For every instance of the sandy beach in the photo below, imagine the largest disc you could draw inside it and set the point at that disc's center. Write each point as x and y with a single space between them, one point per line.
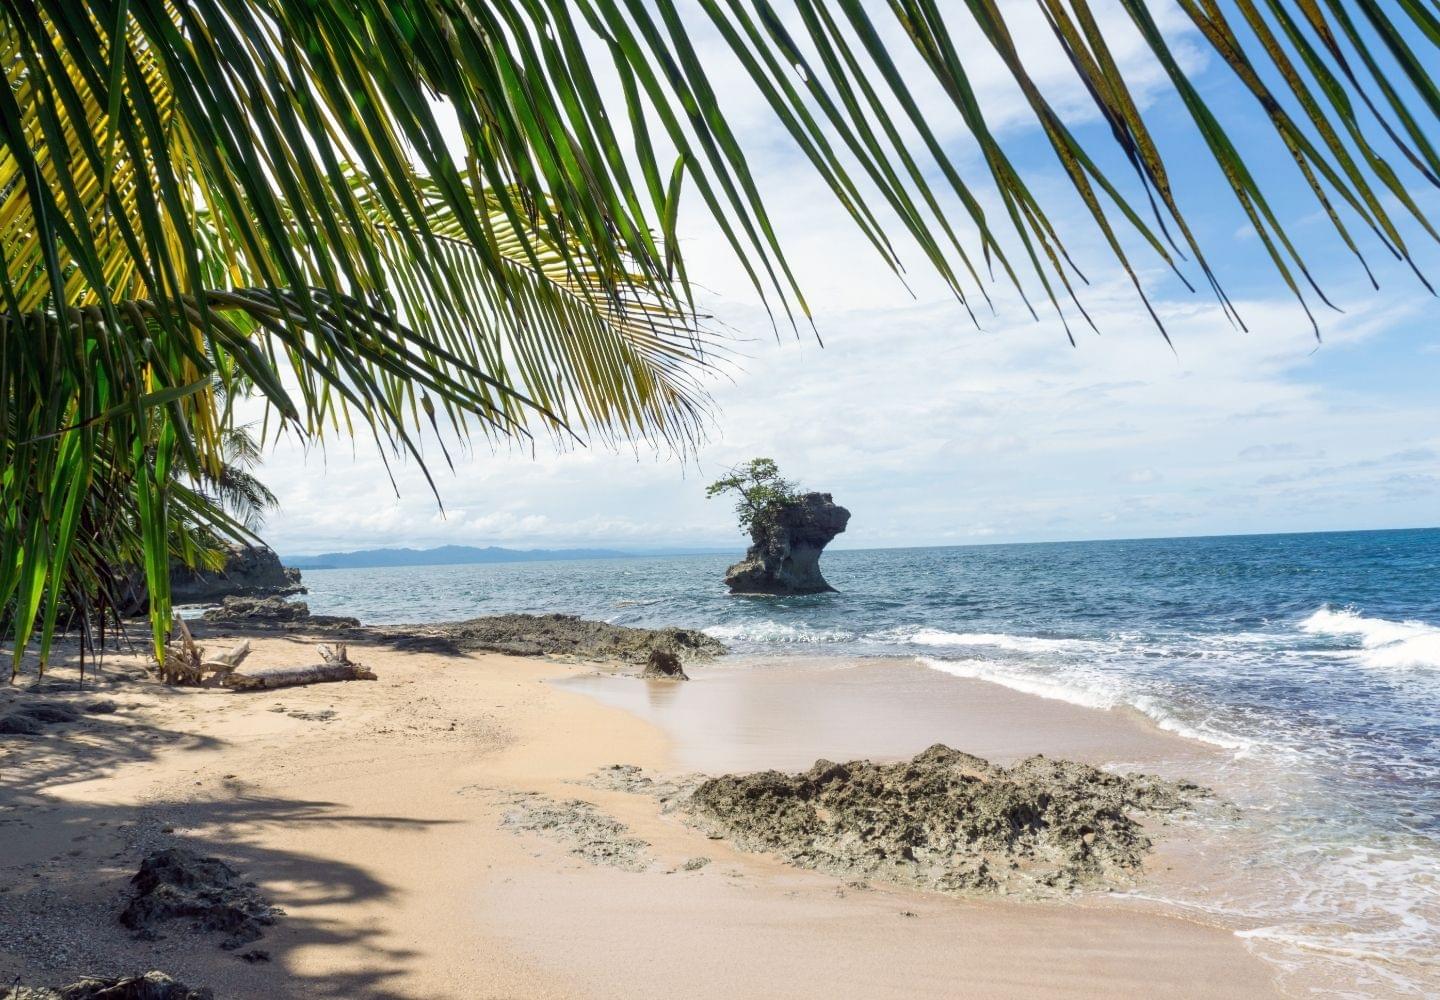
374 813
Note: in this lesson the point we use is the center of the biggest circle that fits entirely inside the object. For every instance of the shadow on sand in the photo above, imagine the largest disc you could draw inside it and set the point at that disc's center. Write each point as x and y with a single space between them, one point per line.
66 864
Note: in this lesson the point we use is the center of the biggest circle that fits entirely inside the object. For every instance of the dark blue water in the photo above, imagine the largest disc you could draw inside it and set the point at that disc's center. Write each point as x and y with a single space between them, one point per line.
1312 660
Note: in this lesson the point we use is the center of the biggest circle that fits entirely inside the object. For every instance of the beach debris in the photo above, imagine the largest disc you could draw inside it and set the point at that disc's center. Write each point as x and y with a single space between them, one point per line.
187 663
177 883
554 635
947 820
588 832
323 715
150 986
336 665
663 665
183 656
224 663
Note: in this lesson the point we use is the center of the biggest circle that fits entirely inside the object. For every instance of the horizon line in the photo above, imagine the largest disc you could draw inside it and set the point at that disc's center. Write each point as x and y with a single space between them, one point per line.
698 549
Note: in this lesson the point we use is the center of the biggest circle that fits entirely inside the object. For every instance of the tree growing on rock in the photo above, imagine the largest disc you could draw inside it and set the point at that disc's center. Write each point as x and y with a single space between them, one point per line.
788 529
759 488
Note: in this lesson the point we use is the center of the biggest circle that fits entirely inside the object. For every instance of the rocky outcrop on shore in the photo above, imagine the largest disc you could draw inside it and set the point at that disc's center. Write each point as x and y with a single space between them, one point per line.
947 820
249 571
557 635
150 986
273 612
178 884
663 665
29 718
785 555
589 833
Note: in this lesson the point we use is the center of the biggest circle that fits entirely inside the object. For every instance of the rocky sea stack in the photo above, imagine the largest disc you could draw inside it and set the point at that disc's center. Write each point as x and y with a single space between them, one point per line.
787 541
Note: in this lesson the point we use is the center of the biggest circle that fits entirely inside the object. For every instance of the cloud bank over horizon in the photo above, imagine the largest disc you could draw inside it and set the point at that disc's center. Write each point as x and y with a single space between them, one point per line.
935 432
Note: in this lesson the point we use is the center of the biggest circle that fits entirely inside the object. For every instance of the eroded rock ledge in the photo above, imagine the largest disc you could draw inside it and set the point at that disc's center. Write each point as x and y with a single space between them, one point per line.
556 635
944 820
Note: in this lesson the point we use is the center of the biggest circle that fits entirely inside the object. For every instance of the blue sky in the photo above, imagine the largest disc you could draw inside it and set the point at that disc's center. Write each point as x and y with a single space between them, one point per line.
934 432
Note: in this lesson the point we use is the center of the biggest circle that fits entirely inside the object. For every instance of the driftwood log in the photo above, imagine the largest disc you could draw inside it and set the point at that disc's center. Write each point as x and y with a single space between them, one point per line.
336 665
186 662
182 656
224 663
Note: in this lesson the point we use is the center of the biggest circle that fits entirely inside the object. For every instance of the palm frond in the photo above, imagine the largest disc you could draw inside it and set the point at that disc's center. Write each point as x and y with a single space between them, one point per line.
211 196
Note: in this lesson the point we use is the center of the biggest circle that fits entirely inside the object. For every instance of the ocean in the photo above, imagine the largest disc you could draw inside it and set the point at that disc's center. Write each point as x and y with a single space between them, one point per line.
1310 661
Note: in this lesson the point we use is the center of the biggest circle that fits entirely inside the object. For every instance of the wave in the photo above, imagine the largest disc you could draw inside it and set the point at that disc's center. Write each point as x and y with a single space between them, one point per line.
776 632
1385 645
1057 689
1015 643
1087 692
768 631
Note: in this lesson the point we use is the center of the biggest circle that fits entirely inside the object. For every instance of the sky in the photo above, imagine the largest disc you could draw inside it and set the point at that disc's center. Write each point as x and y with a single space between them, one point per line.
934 431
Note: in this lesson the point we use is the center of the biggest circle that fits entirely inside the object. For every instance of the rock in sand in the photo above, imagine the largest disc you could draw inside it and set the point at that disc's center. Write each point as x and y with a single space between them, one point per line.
150 986
948 820
664 665
178 883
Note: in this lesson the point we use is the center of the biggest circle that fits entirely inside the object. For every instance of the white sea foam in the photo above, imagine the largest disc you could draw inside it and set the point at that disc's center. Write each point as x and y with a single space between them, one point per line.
1087 691
1385 645
1045 686
1015 643
777 632
1157 712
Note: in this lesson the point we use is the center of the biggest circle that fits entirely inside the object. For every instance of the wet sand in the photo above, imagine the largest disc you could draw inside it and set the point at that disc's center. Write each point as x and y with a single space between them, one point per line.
751 714
380 830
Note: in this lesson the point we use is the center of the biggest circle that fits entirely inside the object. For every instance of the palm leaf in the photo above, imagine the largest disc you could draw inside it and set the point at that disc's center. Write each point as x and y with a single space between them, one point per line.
206 195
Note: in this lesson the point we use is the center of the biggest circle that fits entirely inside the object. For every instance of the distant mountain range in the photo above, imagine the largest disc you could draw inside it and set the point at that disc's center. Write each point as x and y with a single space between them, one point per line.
454 555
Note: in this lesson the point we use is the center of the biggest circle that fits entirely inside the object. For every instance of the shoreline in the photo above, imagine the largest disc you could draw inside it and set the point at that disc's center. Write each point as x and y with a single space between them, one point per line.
380 830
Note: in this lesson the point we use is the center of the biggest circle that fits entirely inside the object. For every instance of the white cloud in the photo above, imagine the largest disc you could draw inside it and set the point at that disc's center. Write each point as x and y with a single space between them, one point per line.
1279 451
932 431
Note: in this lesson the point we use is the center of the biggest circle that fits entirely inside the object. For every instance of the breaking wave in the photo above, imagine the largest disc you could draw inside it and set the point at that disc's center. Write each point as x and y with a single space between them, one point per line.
1384 645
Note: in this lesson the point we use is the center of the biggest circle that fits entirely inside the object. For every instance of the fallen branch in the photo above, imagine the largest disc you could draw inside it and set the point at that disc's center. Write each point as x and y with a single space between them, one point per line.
228 661
183 657
337 667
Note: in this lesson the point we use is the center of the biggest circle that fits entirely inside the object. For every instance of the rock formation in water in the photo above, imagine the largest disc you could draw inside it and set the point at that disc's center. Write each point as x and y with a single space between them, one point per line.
250 571
785 556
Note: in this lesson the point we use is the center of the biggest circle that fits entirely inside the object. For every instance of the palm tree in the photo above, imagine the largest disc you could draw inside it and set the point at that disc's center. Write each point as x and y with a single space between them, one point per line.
257 190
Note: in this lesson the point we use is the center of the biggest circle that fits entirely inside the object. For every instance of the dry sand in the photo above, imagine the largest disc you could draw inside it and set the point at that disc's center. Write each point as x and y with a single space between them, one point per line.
380 829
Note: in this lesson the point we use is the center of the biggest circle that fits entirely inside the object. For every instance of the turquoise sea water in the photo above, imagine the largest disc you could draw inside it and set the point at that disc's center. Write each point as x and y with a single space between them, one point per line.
1311 661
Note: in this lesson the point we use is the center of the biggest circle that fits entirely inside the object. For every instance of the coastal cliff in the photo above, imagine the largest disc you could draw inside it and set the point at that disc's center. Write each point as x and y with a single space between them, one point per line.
250 571
784 557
